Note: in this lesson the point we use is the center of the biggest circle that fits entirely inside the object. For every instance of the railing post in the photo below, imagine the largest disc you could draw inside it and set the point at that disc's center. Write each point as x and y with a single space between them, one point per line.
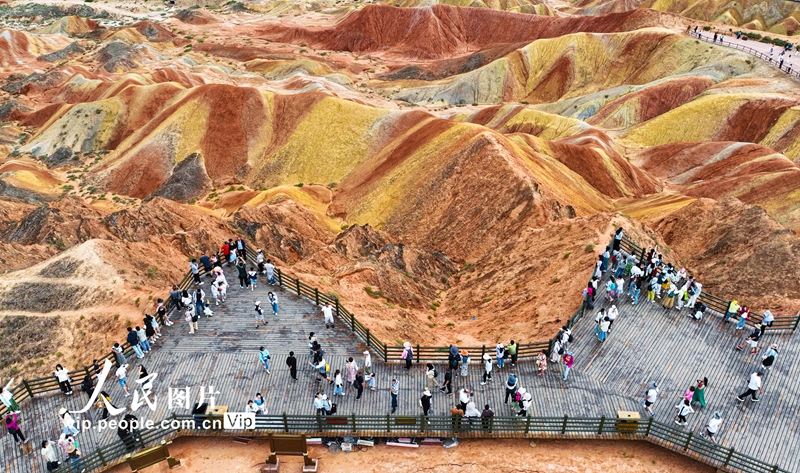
297 285
641 257
388 423
369 342
27 387
483 351
337 310
728 457
564 426
280 277
602 422
491 425
794 322
775 469
316 296
354 423
649 424
688 441
285 423
422 421
417 354
319 423
102 458
527 424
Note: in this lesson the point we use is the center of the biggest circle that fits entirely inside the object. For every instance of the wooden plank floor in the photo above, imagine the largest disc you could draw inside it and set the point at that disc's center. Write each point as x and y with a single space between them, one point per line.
647 344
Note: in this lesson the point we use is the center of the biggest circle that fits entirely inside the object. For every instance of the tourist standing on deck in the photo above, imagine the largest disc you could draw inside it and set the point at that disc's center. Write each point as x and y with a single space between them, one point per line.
327 313
291 362
487 368
500 351
753 387
258 313
712 427
394 389
12 424
512 352
425 402
273 301
352 368
263 358
569 360
465 359
769 357
448 381
62 375
650 398
408 354
511 387
195 269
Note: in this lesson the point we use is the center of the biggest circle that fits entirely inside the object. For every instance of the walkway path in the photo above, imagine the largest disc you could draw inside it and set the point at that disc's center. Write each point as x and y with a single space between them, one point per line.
647 344
764 51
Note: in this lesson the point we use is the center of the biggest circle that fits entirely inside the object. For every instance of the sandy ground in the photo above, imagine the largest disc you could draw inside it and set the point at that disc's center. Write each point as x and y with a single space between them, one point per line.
201 455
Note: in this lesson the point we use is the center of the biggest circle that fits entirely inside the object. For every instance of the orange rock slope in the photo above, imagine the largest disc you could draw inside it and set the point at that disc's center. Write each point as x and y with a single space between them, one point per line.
449 172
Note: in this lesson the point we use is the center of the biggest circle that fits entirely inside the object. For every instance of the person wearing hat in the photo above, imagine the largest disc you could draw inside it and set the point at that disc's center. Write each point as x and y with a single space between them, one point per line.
500 351
769 357
67 421
74 456
712 427
753 387
487 368
425 402
259 314
650 398
464 363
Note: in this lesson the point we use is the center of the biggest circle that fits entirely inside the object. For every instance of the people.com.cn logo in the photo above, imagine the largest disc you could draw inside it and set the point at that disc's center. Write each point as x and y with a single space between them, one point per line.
239 421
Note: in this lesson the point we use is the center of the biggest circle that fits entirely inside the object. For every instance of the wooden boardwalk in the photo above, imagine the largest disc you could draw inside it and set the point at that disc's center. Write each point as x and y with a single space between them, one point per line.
647 344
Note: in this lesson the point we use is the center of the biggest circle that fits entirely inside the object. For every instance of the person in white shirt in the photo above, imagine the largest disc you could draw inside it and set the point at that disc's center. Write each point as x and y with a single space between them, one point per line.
766 321
712 427
122 378
487 368
684 409
650 398
471 410
269 269
753 386
327 313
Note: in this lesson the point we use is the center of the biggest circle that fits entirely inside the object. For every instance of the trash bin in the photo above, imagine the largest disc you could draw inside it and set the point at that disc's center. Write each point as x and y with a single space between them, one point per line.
627 422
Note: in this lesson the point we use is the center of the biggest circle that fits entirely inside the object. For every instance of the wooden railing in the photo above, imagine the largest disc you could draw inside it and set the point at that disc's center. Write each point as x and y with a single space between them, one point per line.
718 304
388 426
